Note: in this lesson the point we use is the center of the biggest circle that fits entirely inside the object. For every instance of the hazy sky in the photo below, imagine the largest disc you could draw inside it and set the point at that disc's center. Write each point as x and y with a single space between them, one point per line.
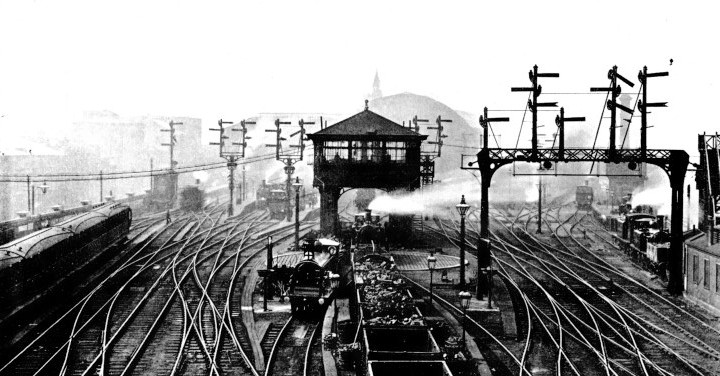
231 60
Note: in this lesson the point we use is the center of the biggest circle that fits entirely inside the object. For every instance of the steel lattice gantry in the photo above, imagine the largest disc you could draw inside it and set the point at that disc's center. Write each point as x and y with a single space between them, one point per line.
673 162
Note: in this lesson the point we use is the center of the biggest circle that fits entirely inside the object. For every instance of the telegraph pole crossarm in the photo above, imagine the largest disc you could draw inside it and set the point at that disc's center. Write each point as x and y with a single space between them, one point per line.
301 140
643 104
438 139
560 121
278 138
673 161
533 103
231 158
613 105
172 142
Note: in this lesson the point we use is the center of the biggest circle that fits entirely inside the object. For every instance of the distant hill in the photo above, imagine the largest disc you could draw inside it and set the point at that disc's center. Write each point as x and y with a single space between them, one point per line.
462 138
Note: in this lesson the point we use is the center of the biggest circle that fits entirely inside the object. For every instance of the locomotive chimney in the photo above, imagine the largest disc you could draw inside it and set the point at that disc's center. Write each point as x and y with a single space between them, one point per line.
368 215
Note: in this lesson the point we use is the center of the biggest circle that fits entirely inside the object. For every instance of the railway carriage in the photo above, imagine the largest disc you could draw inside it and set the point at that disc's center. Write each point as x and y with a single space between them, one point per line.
97 227
34 266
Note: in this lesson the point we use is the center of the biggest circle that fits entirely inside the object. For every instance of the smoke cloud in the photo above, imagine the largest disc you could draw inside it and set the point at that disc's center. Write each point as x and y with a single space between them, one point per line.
656 191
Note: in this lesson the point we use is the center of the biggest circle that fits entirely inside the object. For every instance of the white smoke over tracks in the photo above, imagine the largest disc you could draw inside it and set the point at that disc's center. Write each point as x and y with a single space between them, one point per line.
441 197
656 192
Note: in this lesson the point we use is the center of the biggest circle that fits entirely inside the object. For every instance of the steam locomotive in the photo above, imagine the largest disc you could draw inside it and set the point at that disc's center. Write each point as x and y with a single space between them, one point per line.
645 239
264 191
366 228
584 197
316 277
192 198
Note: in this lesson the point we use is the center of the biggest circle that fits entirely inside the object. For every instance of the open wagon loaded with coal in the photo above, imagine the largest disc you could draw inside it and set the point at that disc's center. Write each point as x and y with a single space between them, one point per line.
395 334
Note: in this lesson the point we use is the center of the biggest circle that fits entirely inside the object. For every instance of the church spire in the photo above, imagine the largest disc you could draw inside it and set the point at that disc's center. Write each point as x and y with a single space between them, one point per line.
376 93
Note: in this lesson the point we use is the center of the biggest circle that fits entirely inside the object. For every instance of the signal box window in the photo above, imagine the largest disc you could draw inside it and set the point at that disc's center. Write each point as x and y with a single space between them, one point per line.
396 151
335 150
717 278
696 269
367 151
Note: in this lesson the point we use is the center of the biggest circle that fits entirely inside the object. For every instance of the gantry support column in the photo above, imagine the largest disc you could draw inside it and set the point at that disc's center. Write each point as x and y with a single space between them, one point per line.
329 197
483 255
679 161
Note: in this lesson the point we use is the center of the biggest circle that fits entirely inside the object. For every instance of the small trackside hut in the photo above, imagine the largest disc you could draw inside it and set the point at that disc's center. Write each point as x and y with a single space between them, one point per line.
365 151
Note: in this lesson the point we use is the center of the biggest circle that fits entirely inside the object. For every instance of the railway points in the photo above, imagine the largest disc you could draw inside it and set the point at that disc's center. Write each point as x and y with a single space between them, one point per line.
182 281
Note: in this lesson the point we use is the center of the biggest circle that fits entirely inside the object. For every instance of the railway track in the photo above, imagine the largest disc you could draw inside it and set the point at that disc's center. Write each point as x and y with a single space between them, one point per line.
171 307
567 304
292 350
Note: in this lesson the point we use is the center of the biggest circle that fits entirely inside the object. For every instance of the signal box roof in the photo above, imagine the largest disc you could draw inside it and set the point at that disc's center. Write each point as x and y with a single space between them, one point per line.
366 125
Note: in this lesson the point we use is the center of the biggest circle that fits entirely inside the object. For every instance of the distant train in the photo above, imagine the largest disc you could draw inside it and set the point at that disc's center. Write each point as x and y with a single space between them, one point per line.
584 197
264 191
316 277
192 198
274 198
43 257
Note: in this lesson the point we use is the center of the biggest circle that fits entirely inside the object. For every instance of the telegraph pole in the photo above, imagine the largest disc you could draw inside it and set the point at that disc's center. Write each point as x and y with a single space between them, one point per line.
173 141
560 121
415 123
540 198
171 144
613 105
533 103
290 158
643 104
231 156
438 139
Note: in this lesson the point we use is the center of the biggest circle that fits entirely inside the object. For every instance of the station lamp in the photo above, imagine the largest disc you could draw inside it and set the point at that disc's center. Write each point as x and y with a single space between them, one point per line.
43 188
462 209
431 261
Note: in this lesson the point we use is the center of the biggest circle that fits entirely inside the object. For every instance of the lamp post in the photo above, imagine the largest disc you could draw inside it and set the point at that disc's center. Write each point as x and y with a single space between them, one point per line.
462 208
464 303
431 260
44 187
267 276
297 186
